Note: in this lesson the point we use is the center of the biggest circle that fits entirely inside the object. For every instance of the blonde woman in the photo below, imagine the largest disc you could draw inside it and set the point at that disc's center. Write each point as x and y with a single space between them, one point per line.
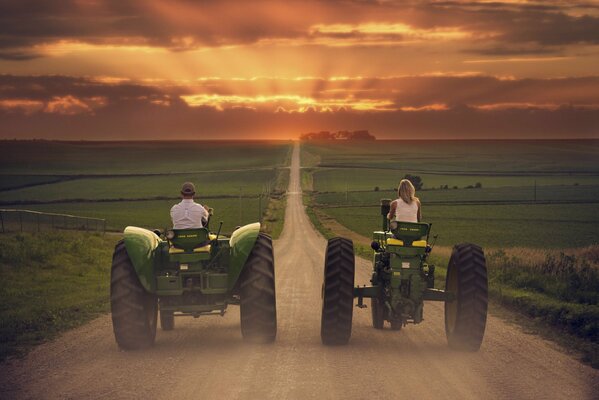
407 207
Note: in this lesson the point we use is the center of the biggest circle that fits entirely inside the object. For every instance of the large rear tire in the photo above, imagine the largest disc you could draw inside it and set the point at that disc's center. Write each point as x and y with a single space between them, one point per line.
466 316
134 311
378 313
167 320
337 292
258 307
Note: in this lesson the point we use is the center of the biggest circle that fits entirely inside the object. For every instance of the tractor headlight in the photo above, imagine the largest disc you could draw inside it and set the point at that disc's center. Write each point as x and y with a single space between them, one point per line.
170 234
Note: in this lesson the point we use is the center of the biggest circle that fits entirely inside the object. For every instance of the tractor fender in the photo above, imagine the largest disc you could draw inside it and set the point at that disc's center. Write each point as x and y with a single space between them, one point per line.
141 245
241 243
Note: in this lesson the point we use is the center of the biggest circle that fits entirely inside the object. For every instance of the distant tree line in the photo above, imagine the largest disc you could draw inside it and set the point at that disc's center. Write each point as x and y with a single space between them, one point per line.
340 135
418 184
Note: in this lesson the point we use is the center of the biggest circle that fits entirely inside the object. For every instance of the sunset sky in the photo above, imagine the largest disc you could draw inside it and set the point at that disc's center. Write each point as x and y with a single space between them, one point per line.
133 69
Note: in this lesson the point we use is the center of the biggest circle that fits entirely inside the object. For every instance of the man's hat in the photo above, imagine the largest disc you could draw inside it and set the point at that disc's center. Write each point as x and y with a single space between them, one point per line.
188 188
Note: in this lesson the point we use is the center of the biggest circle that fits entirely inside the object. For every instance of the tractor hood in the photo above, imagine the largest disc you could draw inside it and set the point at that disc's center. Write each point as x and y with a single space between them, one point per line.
242 242
141 245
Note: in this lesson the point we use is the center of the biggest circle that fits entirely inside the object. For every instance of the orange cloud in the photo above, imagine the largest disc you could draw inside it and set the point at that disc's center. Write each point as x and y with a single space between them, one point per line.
25 106
70 105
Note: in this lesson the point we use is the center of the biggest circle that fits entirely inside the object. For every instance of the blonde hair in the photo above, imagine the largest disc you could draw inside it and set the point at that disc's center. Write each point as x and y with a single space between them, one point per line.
406 191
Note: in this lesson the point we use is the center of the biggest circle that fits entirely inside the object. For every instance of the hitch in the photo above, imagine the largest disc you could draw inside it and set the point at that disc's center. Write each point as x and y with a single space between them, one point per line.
361 300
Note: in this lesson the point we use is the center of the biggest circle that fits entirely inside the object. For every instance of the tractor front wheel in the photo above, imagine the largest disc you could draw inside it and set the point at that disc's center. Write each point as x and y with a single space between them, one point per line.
337 292
134 311
167 320
466 315
378 313
258 307
396 324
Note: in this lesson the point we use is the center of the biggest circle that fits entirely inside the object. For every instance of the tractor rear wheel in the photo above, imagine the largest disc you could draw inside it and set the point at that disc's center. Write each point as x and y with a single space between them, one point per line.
134 311
466 315
167 320
337 292
258 307
378 313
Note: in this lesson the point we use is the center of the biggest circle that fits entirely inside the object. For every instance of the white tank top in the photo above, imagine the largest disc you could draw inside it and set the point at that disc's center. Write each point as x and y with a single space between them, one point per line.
406 212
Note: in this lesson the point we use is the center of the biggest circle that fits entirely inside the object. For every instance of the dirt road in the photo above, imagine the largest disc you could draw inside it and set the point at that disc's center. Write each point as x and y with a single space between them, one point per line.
206 357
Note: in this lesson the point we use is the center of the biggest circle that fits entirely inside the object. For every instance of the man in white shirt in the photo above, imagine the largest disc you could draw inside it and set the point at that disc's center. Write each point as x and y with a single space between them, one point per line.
188 214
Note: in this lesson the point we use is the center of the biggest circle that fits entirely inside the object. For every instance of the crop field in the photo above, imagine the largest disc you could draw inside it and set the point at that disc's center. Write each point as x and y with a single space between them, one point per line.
459 158
539 226
118 158
136 183
542 194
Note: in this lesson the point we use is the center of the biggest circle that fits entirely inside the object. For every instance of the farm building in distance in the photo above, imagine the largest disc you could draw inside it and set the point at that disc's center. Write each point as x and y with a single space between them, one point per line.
340 135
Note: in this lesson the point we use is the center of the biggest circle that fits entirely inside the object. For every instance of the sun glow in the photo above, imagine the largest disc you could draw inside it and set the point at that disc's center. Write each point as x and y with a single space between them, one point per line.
288 102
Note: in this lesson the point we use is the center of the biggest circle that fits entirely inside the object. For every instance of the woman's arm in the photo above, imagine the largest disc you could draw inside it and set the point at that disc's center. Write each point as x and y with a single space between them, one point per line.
419 211
391 214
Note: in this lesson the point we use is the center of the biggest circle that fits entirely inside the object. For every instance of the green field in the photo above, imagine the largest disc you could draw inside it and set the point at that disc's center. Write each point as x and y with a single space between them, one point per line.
459 158
538 226
136 183
154 214
542 194
358 179
80 158
207 184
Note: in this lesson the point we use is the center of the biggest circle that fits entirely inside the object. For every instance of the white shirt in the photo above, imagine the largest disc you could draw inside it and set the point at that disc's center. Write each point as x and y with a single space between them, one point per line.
188 214
406 212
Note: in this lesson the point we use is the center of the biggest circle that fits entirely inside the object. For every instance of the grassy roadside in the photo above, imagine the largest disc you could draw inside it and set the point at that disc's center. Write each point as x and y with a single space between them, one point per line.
273 218
51 281
555 294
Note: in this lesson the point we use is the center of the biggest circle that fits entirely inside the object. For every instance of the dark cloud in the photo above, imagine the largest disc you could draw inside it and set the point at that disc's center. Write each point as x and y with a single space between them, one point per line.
182 24
476 106
408 91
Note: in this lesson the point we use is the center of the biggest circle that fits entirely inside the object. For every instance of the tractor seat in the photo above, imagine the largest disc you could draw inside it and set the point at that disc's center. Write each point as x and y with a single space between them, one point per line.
190 241
397 242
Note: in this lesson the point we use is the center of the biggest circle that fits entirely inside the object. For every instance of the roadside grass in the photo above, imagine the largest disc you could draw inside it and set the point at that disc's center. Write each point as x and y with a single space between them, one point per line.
557 291
273 217
51 281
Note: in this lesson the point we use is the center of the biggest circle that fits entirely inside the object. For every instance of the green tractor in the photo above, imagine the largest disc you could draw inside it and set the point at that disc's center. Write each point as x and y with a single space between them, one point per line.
401 281
191 272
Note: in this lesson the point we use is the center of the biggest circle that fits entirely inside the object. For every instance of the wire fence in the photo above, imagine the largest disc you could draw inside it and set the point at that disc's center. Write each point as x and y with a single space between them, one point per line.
34 221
